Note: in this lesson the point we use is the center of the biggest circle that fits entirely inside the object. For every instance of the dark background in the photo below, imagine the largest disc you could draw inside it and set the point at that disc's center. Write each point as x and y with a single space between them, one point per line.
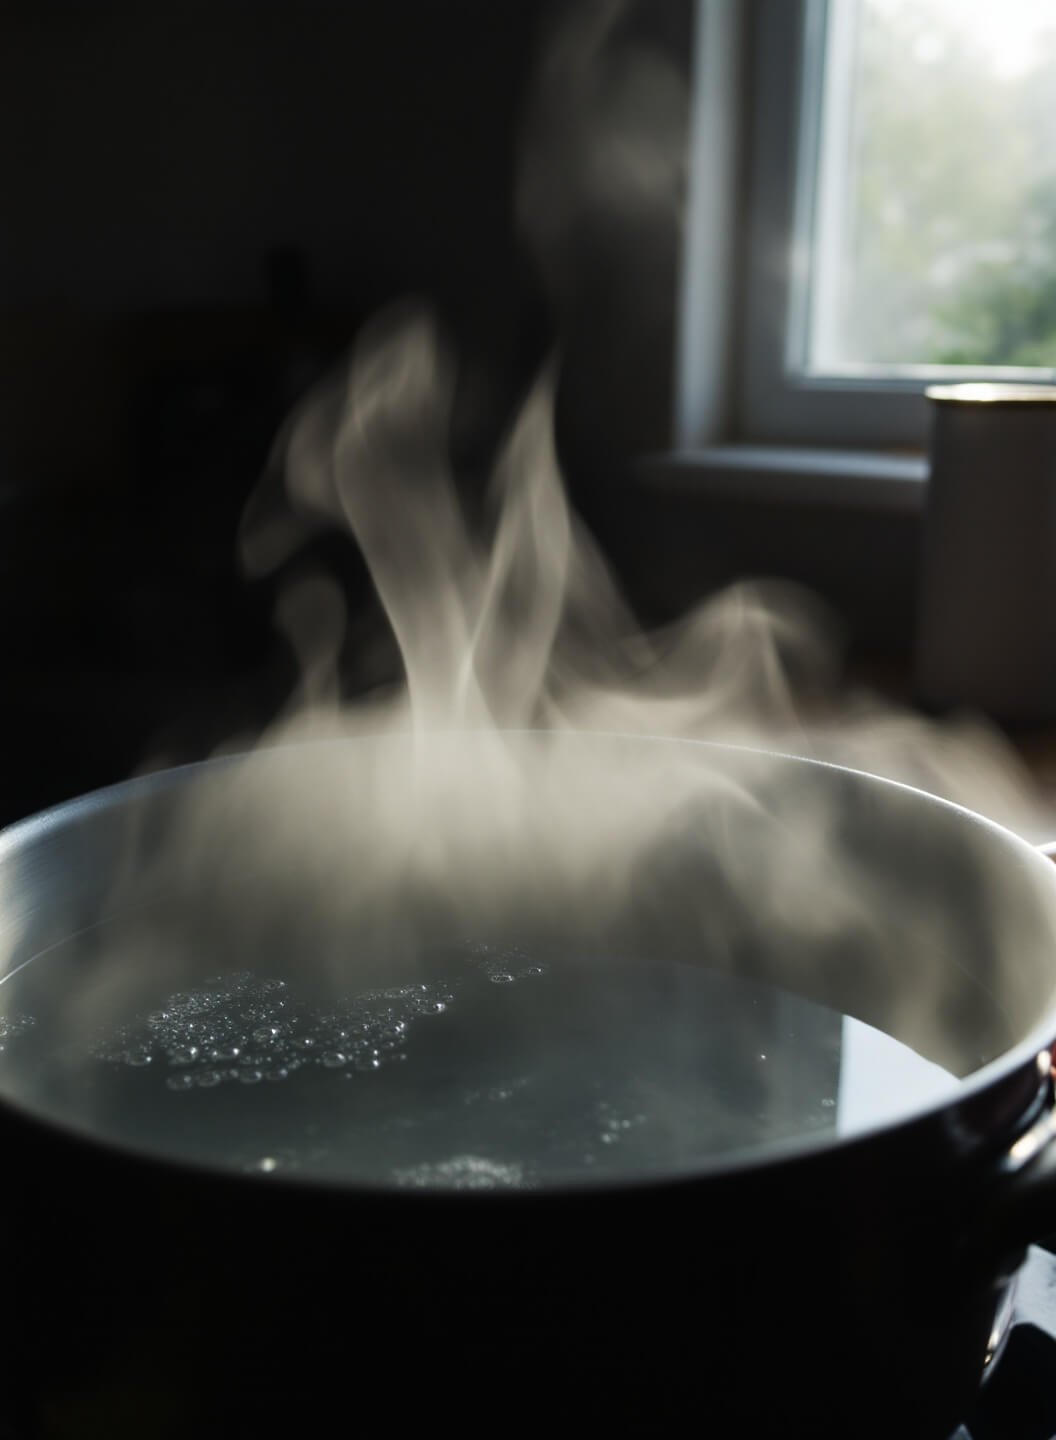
202 204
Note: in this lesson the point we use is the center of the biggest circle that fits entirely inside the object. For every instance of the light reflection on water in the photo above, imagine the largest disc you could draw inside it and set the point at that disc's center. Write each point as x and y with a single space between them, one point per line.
502 1070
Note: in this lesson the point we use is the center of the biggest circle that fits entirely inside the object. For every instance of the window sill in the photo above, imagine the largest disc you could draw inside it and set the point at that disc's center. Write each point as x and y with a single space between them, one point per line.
784 474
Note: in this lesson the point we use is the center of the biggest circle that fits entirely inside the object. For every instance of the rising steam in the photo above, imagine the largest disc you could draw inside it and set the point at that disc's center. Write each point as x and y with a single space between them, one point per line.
520 625
444 816
506 783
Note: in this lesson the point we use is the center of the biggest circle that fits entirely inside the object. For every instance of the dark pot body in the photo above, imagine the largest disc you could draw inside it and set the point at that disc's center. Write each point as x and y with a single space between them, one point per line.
824 1296
846 1289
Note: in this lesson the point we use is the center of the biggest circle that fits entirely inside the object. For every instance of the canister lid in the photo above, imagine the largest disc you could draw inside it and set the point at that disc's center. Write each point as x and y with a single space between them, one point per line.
992 393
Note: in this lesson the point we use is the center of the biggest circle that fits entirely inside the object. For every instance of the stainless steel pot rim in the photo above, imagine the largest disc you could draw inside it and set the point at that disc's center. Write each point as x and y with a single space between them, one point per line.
1032 1055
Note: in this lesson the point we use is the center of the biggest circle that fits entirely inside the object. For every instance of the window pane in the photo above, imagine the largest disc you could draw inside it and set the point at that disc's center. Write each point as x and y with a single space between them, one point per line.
934 213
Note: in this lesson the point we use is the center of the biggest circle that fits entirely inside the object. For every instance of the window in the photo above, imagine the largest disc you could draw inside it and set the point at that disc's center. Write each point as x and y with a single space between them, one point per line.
897 222
931 221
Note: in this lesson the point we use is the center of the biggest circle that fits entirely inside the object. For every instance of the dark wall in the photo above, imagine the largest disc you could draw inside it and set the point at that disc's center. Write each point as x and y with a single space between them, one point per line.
158 157
202 204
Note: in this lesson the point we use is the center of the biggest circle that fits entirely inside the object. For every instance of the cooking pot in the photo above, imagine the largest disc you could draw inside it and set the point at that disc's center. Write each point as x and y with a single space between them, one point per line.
773 1260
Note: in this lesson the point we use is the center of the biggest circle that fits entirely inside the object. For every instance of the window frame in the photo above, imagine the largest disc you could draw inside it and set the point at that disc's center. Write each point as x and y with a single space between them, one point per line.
742 373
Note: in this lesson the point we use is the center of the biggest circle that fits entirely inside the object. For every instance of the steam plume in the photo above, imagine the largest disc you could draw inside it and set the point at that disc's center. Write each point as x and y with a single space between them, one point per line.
523 625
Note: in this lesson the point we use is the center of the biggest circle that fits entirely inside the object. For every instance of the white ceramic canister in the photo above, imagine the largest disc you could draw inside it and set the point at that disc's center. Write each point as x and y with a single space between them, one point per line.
986 626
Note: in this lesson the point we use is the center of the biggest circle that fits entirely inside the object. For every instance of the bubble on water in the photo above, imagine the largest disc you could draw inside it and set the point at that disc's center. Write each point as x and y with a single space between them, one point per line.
504 964
208 1078
180 1082
15 1023
828 1102
615 1126
391 1057
138 1057
462 1172
243 1029
266 1165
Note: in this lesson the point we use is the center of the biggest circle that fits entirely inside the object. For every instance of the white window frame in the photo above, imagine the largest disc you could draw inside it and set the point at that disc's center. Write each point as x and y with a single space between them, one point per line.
741 377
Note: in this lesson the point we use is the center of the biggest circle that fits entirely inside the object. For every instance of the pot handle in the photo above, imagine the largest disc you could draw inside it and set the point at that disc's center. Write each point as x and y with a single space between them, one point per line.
1025 1209
1018 1376
1024 1198
1035 1298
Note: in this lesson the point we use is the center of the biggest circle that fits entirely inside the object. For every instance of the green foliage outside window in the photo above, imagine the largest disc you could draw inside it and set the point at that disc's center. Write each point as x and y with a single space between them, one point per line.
951 254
